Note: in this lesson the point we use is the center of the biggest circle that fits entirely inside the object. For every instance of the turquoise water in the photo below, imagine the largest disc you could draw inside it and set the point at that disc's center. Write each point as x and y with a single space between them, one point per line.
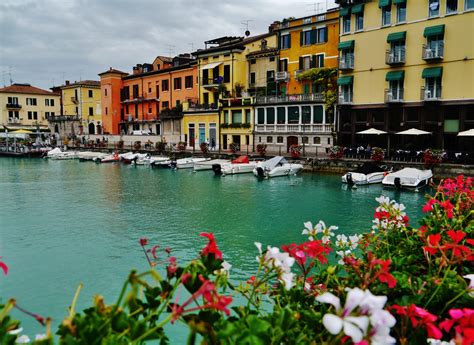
67 222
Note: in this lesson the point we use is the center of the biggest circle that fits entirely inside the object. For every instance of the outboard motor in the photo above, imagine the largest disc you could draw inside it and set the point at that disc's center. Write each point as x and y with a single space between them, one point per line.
397 183
173 165
260 172
349 179
217 169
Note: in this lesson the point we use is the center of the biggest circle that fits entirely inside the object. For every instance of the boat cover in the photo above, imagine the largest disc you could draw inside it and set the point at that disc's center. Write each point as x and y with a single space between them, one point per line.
273 162
410 175
241 159
369 168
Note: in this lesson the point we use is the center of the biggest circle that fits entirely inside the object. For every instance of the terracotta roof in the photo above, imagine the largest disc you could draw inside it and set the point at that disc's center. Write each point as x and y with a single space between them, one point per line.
24 88
94 83
164 58
112 70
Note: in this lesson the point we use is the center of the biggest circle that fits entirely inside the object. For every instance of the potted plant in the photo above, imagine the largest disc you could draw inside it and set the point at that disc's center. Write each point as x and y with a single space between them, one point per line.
336 152
432 157
295 150
234 147
262 149
181 146
204 147
377 154
160 146
137 145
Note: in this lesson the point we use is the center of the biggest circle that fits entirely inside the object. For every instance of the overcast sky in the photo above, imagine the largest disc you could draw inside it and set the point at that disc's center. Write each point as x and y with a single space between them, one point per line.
44 42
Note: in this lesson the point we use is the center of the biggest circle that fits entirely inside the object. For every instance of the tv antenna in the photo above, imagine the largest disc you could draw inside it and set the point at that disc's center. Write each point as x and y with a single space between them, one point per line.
171 49
10 74
245 25
318 7
192 46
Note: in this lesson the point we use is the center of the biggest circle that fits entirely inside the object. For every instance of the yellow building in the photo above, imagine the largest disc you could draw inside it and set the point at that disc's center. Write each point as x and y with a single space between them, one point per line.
23 106
236 123
82 100
406 64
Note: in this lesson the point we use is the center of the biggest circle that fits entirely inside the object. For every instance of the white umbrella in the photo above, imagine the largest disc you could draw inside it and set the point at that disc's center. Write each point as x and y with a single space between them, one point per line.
413 131
373 131
468 133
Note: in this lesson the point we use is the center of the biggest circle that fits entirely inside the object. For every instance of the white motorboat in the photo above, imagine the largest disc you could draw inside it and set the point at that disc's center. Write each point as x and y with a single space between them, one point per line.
187 163
240 165
209 165
54 152
275 167
410 178
166 163
368 173
114 157
65 155
149 160
127 157
90 155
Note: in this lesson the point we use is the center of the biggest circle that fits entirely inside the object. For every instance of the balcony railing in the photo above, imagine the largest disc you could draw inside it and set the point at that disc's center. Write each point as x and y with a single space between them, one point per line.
345 99
201 107
431 94
395 56
346 61
433 52
235 102
295 128
394 96
282 76
310 97
12 120
13 106
74 100
63 118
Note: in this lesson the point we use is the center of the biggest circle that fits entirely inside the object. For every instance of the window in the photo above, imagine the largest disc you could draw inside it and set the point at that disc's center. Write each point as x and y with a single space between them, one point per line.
433 8
30 115
433 88
269 140
91 93
248 114
52 113
106 111
281 115
226 73
150 110
91 111
306 89
270 76
401 12
46 102
166 105
359 21
305 37
12 100
318 61
451 6
271 59
469 4
165 85
261 116
321 35
253 61
188 82
283 65
270 116
226 116
280 140
305 140
105 92
135 91
346 24
293 115
205 96
77 110
31 101
177 83
435 47
318 113
51 102
386 15
252 78
305 63
237 116
136 111
317 140
346 93
306 114
285 41
396 90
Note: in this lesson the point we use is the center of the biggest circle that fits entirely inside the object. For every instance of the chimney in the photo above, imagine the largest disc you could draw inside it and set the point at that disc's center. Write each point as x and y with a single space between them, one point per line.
67 82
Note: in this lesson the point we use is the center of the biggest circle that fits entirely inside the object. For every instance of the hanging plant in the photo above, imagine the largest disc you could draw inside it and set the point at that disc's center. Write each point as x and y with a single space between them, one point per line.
295 150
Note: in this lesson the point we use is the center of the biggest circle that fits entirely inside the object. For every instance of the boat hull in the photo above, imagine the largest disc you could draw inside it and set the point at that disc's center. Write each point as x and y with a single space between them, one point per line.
408 178
232 169
279 171
364 179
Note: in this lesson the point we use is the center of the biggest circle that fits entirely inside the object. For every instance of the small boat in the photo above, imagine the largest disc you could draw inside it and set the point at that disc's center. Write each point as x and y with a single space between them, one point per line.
90 156
54 152
209 165
149 160
159 163
127 157
368 173
410 178
114 157
275 167
240 165
65 155
187 163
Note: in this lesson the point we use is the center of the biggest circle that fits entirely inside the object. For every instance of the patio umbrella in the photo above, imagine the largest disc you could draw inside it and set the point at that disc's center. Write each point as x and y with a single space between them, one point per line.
468 133
413 131
21 131
375 131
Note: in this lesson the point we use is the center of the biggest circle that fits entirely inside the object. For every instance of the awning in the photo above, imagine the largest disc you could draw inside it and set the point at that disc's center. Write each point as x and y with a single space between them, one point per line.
384 3
432 72
346 80
346 45
437 30
372 131
358 8
211 65
345 11
395 76
397 2
397 36
413 131
468 133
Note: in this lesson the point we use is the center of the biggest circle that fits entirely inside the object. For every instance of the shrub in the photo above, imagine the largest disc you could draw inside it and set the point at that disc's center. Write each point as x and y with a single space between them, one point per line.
336 152
181 146
295 150
262 149
377 154
204 147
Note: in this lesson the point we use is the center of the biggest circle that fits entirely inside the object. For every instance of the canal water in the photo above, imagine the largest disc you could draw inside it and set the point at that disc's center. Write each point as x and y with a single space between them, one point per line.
67 222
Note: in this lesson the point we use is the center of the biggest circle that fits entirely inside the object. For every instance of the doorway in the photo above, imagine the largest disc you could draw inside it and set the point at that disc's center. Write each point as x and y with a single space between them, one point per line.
91 128
292 140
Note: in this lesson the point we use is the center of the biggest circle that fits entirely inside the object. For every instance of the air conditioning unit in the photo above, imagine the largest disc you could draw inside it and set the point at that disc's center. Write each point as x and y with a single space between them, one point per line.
429 53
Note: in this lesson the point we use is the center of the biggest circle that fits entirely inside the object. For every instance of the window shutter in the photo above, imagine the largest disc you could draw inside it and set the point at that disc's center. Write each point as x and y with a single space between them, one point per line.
326 34
278 65
313 36
314 62
289 40
301 38
300 63
279 42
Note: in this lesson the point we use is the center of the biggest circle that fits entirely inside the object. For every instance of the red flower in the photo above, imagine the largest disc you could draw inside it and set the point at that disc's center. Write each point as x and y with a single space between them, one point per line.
172 267
433 241
143 241
428 207
383 275
464 321
211 247
4 267
251 280
448 207
153 251
419 317
458 250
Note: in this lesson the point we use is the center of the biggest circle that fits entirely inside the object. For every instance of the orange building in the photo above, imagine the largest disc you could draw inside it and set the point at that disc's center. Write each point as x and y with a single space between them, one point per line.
149 100
305 43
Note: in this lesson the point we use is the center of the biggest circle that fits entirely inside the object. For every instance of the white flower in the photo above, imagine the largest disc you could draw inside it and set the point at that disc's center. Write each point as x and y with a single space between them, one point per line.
383 200
259 247
282 262
287 280
225 269
327 232
39 337
372 303
15 331
309 230
341 240
354 241
343 254
24 339
471 284
439 342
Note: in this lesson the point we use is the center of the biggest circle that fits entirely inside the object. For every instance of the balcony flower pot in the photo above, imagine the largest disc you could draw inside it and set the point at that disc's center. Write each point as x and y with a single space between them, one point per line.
181 146
377 154
234 147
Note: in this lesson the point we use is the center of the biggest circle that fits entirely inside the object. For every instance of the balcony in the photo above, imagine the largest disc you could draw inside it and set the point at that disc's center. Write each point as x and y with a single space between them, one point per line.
235 102
395 56
345 99
63 118
295 128
298 72
433 52
210 83
300 98
201 107
346 62
394 96
282 76
13 120
13 106
74 100
431 94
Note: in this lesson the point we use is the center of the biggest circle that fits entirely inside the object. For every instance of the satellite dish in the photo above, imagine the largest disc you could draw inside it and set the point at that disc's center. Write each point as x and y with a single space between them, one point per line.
247 33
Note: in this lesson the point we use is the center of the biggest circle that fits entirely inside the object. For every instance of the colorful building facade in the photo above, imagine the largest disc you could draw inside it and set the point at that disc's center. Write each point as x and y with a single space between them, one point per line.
23 106
406 64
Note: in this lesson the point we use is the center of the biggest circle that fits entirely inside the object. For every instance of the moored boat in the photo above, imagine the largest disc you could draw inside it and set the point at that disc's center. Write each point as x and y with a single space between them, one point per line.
187 163
240 165
209 165
408 178
368 173
276 167
114 157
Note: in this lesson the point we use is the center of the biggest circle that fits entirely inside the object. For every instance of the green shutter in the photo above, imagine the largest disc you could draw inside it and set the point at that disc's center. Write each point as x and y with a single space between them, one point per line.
437 30
301 38
356 9
346 45
397 2
344 11
395 75
384 3
346 80
397 36
300 63
313 36
432 72
314 62
318 113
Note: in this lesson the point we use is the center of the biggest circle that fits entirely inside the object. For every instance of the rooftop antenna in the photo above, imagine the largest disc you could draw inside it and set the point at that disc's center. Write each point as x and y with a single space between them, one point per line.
245 25
319 7
10 74
171 49
192 46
